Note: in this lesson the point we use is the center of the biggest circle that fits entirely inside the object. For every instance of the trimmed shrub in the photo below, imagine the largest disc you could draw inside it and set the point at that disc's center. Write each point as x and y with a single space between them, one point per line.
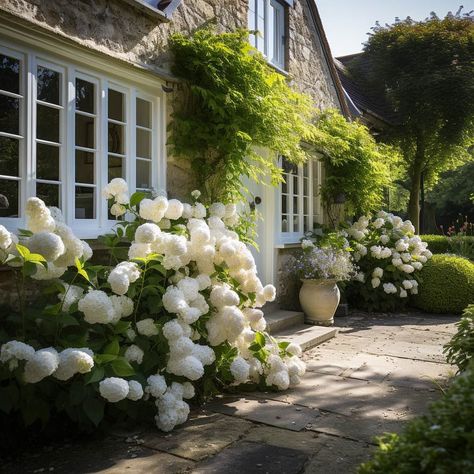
437 443
460 349
442 244
447 285
437 243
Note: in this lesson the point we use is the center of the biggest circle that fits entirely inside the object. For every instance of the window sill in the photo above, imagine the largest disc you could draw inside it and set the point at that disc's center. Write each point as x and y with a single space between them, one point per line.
283 72
148 10
288 245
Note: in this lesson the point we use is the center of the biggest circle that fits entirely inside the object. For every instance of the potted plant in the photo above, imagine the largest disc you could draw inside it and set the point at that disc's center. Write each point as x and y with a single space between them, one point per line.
320 269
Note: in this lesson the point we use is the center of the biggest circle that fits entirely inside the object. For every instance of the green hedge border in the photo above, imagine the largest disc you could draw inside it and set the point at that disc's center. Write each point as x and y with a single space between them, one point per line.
440 243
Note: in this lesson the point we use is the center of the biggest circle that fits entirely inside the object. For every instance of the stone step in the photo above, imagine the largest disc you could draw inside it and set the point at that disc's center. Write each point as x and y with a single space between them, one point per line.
307 336
280 319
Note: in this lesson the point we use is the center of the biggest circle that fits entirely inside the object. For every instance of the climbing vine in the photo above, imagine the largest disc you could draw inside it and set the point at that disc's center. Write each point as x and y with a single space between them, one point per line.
356 166
233 104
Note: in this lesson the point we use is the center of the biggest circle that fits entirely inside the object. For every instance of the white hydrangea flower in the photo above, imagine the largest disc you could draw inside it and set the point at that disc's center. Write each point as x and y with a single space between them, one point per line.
294 349
72 294
375 282
134 354
147 327
47 244
403 293
118 210
240 370
135 390
175 209
13 351
379 222
5 238
122 275
147 233
156 385
42 364
154 210
117 187
114 389
196 194
377 273
306 244
97 307
50 272
73 361
389 288
38 216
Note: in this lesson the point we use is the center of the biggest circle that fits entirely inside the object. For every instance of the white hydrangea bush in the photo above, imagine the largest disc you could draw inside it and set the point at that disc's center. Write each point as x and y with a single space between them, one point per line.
177 317
389 256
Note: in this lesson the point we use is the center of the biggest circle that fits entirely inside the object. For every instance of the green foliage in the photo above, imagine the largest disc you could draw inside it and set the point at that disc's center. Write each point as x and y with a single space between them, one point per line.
447 285
451 194
462 245
425 71
460 349
233 103
440 442
355 164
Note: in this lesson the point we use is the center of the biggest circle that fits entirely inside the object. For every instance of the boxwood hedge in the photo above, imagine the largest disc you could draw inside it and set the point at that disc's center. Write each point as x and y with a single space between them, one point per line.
446 285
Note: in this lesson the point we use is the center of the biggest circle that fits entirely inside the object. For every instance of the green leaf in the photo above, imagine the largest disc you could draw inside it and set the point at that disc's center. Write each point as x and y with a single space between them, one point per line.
260 339
94 409
112 347
121 327
80 269
104 358
95 375
137 197
121 367
283 345
23 251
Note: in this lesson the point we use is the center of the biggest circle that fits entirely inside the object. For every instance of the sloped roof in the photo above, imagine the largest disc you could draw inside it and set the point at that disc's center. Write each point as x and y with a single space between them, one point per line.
360 100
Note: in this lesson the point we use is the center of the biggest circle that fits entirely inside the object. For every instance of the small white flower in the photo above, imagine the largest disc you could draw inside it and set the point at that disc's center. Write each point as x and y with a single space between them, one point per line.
147 327
114 389
134 354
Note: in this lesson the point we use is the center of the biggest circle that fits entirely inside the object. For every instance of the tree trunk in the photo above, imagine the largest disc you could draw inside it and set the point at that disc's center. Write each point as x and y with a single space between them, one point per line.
417 170
414 202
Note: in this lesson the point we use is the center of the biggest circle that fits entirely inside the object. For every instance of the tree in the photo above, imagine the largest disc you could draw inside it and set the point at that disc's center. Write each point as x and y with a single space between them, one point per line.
425 70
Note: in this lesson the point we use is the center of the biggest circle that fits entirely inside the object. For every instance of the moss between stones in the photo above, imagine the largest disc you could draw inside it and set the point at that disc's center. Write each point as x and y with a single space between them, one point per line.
447 285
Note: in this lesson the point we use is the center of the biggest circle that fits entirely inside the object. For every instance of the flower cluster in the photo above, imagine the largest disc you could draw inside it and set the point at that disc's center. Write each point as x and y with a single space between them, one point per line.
321 263
182 311
389 255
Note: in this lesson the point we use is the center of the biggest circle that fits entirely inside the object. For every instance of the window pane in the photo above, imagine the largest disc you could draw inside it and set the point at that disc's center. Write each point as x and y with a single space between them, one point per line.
284 204
9 74
47 162
9 159
85 131
84 167
295 205
48 85
85 198
47 123
143 174
284 223
143 113
9 192
85 96
305 205
284 186
116 106
9 114
115 167
305 186
296 224
143 143
49 193
116 136
295 184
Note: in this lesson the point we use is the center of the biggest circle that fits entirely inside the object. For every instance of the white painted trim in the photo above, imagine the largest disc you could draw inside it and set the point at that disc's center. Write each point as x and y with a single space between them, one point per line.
153 93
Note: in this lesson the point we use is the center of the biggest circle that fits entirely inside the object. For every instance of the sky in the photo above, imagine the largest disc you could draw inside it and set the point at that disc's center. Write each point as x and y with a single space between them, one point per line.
347 22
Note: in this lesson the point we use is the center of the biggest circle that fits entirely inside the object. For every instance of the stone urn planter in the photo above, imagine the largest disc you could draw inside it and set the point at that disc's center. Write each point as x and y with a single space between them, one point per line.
319 300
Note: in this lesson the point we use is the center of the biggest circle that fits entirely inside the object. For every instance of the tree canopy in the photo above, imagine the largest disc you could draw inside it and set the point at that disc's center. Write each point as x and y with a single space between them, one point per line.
425 70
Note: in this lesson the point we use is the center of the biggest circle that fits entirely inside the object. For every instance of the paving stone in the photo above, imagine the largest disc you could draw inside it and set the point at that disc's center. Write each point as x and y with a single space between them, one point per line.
359 428
110 456
331 393
306 441
267 411
338 456
249 458
397 403
397 371
205 434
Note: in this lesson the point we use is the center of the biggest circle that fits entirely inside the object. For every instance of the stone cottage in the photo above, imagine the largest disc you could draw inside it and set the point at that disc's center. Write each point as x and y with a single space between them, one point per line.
85 89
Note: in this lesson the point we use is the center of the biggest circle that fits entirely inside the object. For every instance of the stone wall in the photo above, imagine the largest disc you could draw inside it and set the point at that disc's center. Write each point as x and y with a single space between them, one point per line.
117 29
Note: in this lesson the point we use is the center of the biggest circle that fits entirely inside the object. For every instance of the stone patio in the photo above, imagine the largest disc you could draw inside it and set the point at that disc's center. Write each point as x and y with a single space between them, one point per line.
379 372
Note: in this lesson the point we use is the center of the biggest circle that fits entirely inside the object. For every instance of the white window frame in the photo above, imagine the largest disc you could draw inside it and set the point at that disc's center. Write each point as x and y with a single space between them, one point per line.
314 211
120 80
271 42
